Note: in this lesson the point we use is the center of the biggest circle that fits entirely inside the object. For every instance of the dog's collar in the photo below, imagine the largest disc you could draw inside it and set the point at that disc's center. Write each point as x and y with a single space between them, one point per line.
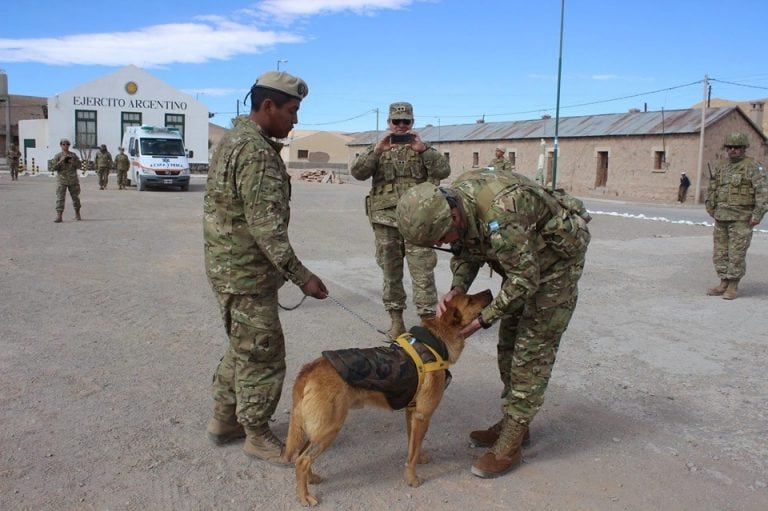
406 341
426 337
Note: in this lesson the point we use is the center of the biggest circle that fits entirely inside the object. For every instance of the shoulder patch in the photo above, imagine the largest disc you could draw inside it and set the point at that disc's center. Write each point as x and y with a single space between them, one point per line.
493 225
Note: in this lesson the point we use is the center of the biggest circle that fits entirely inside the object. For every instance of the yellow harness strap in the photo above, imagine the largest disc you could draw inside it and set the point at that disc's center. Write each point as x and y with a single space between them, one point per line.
405 341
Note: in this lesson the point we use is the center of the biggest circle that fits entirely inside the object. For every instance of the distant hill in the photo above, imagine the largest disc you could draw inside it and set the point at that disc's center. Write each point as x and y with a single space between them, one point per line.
746 107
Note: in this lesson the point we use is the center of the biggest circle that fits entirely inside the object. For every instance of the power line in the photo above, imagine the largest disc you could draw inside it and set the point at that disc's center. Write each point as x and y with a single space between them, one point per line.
738 84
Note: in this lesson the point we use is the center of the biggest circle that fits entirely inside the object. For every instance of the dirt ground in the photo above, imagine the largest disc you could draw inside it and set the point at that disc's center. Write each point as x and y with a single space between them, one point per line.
109 334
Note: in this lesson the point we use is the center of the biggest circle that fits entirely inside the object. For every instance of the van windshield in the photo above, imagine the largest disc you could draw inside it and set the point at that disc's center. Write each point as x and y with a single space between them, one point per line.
162 147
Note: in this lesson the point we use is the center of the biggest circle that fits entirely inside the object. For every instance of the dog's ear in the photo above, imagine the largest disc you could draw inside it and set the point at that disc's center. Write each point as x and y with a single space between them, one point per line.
454 314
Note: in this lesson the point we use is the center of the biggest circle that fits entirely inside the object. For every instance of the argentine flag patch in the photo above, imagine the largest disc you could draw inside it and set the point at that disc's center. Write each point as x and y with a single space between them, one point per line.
493 226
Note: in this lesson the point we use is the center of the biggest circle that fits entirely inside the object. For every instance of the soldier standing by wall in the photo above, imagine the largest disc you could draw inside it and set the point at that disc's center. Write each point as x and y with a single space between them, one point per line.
682 190
121 164
103 166
737 198
395 163
66 164
247 258
13 157
500 162
537 242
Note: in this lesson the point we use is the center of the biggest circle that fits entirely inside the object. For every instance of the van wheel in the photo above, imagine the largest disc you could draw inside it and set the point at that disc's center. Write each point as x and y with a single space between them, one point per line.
140 186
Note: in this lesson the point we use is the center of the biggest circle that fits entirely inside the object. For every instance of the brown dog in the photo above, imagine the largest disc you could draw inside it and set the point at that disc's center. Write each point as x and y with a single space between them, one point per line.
322 399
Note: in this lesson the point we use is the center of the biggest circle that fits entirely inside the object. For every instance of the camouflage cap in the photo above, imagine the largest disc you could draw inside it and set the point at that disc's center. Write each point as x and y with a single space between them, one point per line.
283 82
423 215
736 139
401 110
64 141
501 148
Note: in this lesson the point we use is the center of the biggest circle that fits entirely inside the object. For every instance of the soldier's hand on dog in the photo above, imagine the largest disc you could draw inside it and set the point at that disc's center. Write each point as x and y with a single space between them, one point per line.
442 304
315 288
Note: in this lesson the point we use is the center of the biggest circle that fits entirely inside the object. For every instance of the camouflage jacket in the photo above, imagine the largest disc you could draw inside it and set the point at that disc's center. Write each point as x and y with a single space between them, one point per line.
13 156
521 230
738 191
392 173
122 162
66 171
501 164
103 160
246 214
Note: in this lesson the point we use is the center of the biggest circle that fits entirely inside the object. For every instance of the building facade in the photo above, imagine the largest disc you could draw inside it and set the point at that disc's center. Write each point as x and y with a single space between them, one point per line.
99 111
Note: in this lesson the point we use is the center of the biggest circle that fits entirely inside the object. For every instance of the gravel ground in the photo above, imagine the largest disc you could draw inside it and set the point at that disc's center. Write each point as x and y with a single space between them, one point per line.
110 333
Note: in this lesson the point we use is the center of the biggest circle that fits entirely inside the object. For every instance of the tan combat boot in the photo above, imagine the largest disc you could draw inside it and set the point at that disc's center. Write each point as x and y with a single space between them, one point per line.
488 437
732 290
223 426
77 214
397 327
262 444
58 218
719 289
506 453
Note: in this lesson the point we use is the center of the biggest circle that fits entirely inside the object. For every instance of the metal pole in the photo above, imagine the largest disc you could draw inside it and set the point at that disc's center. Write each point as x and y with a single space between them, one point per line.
700 171
557 108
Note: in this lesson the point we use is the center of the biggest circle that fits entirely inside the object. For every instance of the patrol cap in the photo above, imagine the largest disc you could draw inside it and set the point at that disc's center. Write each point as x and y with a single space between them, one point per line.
283 82
64 141
401 110
501 148
423 215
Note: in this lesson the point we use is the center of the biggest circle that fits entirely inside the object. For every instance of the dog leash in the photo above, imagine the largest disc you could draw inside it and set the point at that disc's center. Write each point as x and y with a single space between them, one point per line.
294 307
355 314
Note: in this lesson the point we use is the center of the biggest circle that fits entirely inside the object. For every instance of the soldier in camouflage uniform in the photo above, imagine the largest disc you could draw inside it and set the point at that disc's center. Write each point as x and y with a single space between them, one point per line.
500 162
247 258
103 166
66 164
737 198
122 164
13 157
394 167
537 241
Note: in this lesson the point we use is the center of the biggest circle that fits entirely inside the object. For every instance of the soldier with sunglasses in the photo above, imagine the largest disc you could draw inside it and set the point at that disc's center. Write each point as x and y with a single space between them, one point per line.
397 162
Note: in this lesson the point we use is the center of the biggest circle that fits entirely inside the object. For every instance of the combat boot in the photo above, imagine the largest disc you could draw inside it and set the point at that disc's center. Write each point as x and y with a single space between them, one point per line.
732 290
223 426
397 327
506 453
488 437
77 214
719 289
262 444
58 218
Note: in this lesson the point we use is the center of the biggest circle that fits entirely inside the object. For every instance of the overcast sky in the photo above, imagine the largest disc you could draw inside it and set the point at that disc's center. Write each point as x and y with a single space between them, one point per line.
457 61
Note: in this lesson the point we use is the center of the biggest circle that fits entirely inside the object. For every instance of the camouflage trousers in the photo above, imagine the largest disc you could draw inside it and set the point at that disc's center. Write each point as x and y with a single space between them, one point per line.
528 340
61 194
731 241
391 249
122 179
251 372
14 170
103 178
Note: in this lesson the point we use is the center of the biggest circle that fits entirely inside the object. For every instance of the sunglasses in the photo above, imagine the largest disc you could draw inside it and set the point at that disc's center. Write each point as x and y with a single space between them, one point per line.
64 143
398 122
733 147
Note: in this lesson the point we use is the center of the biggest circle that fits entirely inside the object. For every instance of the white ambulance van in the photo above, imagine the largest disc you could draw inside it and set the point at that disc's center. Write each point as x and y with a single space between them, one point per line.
157 157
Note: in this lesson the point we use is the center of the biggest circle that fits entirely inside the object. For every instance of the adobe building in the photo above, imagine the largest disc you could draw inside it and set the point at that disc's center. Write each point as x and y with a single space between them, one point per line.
99 111
634 155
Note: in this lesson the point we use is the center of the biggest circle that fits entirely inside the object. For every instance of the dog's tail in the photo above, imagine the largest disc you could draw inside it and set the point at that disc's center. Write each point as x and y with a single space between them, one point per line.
295 439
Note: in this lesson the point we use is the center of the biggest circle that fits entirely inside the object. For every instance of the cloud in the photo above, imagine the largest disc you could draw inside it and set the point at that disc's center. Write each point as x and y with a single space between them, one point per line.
209 38
605 77
291 8
214 91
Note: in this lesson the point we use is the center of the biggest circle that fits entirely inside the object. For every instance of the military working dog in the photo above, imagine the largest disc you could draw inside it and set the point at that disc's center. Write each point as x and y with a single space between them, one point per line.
322 397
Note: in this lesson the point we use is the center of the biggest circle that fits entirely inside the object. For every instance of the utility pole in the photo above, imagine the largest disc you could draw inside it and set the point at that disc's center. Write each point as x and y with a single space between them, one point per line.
697 195
557 108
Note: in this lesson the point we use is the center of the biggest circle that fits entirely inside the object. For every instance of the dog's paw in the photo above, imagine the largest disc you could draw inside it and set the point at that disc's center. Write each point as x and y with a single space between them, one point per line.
308 500
424 458
413 481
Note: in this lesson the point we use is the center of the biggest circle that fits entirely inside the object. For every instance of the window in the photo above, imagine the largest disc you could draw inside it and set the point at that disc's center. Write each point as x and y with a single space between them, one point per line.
475 159
302 154
129 119
175 121
447 157
513 158
659 159
85 128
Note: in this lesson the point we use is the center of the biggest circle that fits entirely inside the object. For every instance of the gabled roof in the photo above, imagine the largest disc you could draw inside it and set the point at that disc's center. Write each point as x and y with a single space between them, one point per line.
668 122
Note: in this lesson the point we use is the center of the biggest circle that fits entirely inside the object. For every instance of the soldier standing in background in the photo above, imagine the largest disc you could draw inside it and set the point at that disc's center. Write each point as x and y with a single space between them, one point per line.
682 190
737 198
247 258
13 157
395 165
500 162
103 166
537 241
66 164
121 164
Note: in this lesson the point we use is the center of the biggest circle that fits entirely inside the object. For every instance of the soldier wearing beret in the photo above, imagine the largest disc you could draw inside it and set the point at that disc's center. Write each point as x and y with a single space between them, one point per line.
66 164
395 163
737 198
500 162
537 241
247 258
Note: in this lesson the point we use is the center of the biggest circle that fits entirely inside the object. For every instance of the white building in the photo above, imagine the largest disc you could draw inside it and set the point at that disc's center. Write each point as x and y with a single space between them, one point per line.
97 112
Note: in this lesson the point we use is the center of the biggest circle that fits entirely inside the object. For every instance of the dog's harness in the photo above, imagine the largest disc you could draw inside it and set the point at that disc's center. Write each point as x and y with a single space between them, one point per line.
396 370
